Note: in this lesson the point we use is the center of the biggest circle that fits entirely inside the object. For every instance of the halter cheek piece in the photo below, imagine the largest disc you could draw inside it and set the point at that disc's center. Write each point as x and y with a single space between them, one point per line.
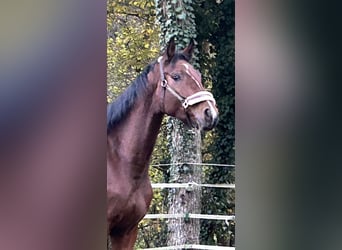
193 99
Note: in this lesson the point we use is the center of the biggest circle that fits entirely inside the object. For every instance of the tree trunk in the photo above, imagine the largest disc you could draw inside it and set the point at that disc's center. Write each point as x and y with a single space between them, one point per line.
176 19
185 148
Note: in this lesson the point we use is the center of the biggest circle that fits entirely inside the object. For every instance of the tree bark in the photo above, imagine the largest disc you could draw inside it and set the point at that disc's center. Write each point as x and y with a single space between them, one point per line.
176 19
185 147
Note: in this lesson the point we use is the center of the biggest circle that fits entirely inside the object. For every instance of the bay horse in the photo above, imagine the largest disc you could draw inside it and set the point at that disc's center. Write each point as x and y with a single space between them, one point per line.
169 85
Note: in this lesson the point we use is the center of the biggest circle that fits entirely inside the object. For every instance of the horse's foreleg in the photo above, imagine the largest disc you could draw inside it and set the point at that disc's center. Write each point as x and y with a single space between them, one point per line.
126 241
133 237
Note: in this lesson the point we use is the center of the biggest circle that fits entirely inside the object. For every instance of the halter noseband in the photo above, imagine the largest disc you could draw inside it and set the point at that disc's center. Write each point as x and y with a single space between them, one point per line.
193 99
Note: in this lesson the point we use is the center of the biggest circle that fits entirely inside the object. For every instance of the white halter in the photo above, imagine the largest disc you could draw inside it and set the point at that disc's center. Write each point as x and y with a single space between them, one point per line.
193 99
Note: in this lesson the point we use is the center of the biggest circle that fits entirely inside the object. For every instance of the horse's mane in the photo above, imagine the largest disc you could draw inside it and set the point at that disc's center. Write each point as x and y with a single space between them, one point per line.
117 110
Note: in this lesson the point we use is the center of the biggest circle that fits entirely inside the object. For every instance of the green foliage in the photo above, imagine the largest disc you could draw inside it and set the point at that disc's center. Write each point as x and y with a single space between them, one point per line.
215 23
132 41
176 19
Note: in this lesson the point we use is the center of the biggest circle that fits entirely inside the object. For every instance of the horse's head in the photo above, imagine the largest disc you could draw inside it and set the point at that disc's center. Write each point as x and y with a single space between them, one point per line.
180 90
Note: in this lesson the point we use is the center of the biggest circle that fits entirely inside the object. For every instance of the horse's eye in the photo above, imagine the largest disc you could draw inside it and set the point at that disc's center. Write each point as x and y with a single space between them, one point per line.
176 77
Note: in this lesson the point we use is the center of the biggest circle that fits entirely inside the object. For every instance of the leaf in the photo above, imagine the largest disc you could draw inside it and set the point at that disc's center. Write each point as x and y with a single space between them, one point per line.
179 9
181 16
168 22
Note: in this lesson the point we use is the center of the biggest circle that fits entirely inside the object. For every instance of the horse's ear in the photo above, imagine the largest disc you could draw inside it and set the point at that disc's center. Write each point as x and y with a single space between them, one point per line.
170 50
188 51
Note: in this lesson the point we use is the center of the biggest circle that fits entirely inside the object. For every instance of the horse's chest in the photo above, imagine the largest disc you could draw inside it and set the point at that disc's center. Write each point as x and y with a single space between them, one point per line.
127 206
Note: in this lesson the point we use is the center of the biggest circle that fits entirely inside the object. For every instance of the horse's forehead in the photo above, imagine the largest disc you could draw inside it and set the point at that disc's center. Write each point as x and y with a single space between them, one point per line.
188 67
191 71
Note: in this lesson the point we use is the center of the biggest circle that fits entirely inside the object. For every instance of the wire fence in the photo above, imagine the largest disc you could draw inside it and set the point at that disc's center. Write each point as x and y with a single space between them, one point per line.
193 163
189 187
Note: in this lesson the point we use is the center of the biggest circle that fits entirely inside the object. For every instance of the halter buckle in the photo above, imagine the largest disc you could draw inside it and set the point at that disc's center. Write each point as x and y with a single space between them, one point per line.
185 104
164 83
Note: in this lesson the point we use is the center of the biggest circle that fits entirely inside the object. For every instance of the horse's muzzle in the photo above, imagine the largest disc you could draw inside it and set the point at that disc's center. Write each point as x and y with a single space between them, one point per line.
210 118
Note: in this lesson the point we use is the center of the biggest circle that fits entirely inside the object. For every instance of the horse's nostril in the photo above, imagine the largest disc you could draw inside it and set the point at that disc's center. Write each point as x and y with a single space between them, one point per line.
210 117
207 113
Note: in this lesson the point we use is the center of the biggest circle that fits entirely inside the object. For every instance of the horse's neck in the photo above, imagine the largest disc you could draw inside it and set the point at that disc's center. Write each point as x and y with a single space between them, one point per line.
134 139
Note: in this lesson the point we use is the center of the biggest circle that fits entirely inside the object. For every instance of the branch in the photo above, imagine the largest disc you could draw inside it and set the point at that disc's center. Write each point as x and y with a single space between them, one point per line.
133 14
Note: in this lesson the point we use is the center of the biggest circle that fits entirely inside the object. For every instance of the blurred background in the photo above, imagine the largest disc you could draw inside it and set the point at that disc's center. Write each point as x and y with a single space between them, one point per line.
287 127
52 125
